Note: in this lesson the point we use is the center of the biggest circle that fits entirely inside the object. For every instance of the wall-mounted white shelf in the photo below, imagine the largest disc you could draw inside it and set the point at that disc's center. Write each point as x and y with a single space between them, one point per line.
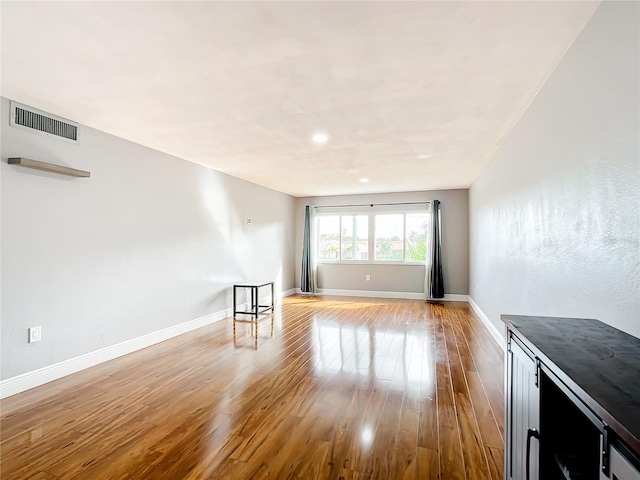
48 167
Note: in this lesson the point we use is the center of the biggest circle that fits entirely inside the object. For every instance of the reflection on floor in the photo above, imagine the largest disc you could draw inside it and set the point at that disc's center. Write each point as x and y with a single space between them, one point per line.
255 329
343 388
375 352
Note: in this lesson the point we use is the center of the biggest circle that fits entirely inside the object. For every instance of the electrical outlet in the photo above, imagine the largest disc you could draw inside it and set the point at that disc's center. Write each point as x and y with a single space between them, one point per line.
35 334
367 278
248 221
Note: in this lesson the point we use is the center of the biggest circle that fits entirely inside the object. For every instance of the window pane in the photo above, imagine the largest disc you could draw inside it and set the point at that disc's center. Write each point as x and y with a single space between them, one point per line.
416 237
355 246
328 237
389 237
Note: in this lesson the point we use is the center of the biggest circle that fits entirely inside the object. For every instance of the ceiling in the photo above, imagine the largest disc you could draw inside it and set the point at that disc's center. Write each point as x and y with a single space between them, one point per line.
413 95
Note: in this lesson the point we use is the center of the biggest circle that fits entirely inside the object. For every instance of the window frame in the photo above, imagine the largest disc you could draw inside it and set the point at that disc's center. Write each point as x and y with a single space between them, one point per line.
371 236
354 235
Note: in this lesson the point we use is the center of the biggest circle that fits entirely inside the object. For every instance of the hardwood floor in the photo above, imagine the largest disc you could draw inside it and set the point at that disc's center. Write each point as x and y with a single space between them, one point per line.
338 388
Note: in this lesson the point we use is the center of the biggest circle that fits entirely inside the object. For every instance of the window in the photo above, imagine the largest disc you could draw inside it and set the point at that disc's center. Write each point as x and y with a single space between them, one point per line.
392 237
343 237
416 250
329 237
354 237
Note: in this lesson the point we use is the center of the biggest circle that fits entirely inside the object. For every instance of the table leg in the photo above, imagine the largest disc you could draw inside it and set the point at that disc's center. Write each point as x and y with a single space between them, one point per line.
257 301
256 337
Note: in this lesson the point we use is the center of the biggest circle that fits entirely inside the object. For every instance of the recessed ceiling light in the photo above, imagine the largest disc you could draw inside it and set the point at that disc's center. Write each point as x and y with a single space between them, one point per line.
320 138
423 157
364 180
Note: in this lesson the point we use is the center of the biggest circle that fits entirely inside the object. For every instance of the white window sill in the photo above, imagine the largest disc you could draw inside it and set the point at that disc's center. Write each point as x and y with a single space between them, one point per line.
368 262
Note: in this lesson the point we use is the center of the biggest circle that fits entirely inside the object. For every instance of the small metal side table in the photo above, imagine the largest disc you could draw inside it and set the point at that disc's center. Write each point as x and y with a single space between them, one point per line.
255 307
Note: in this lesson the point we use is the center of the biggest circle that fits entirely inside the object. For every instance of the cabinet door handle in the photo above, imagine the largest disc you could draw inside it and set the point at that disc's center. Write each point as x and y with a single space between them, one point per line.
531 432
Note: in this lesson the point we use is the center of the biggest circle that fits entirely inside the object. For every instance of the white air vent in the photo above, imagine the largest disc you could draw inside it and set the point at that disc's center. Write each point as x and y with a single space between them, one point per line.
44 123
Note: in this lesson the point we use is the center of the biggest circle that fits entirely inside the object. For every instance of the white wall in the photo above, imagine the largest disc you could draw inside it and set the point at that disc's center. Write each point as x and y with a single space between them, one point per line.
555 216
397 278
148 242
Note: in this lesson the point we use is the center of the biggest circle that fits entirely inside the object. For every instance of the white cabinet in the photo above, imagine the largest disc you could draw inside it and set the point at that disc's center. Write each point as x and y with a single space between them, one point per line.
522 414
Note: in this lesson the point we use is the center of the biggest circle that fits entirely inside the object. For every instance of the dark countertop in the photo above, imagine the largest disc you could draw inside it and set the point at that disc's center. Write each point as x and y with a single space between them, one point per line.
598 362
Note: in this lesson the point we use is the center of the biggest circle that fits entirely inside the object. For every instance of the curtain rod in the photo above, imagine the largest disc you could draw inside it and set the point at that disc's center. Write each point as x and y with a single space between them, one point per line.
372 204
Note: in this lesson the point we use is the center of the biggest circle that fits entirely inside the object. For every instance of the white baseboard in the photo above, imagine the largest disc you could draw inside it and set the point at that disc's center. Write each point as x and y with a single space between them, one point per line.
453 297
291 291
35 378
495 333
383 294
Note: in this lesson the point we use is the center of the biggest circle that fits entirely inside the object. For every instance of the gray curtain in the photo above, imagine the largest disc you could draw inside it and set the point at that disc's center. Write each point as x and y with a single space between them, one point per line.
306 279
435 279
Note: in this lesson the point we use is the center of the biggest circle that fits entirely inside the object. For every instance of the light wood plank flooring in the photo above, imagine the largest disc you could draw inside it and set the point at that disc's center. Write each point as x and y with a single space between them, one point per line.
340 388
